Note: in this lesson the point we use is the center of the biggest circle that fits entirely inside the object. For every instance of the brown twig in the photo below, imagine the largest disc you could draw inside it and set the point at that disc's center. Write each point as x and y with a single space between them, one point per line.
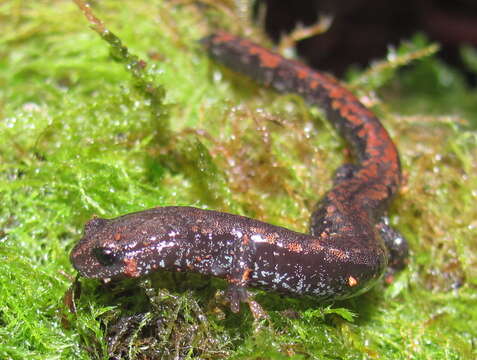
96 24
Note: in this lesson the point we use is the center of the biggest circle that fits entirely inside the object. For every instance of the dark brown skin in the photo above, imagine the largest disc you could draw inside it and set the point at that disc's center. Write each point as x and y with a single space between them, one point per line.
349 246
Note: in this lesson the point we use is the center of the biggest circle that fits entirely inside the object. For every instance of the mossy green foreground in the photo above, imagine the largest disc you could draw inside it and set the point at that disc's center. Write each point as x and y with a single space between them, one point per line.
83 134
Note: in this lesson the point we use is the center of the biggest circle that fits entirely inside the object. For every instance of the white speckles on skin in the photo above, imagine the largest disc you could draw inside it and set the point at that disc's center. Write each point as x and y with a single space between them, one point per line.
163 245
300 286
279 279
228 260
318 292
265 274
237 233
284 285
257 238
398 241
242 250
131 245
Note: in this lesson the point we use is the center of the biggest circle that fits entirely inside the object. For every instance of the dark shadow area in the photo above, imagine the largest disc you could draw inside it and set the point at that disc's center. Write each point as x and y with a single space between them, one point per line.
362 30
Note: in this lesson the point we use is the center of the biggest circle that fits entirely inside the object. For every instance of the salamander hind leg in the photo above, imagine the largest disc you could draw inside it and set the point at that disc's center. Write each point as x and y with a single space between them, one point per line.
397 246
238 279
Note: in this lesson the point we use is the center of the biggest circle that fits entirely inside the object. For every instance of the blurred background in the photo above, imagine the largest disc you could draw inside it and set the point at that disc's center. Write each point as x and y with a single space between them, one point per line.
362 30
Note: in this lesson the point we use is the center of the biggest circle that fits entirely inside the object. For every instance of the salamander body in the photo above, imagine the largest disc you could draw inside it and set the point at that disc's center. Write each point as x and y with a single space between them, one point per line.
349 245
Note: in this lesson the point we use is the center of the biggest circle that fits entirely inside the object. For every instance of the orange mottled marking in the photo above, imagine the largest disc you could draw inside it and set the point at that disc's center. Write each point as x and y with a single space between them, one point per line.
340 254
351 205
336 92
246 275
346 111
267 59
206 231
362 133
370 171
271 238
336 105
352 281
358 109
131 268
296 247
117 236
257 230
302 73
390 154
377 194
314 84
316 244
223 37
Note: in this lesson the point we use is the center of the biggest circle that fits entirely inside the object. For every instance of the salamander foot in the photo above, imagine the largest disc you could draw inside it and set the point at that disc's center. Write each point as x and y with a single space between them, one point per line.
237 294
397 246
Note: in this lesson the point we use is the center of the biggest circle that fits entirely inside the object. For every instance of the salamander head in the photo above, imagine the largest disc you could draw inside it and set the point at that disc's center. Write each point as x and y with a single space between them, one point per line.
126 246
92 257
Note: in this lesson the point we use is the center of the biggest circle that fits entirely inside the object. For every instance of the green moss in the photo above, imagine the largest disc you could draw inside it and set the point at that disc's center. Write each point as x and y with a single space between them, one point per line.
79 137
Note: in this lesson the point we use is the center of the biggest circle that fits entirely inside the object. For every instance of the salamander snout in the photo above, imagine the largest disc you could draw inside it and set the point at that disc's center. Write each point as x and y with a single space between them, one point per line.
95 256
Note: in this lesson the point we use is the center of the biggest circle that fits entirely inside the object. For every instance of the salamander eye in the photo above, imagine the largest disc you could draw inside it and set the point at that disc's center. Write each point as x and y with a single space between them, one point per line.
105 256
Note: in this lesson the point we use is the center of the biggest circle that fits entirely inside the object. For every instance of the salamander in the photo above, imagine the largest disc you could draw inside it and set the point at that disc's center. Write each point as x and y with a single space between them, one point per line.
349 246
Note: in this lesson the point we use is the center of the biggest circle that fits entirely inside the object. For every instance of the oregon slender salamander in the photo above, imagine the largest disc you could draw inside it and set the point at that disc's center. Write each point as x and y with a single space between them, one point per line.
349 245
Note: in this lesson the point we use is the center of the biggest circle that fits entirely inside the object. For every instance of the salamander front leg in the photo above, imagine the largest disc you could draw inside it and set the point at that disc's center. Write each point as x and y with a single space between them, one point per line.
237 294
239 277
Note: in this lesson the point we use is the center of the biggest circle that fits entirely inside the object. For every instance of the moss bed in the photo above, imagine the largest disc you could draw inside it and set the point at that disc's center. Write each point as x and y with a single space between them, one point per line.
88 129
